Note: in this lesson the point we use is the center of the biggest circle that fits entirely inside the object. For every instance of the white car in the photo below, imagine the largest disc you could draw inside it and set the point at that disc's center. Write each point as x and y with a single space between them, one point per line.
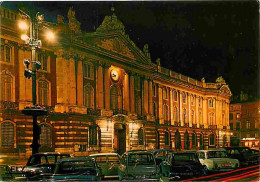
217 160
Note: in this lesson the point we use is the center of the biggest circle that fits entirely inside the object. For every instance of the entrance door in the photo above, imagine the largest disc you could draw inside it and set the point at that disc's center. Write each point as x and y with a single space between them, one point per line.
120 138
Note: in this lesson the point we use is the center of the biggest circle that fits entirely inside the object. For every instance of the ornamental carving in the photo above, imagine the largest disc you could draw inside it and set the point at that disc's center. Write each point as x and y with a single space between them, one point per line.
117 46
225 90
220 81
73 22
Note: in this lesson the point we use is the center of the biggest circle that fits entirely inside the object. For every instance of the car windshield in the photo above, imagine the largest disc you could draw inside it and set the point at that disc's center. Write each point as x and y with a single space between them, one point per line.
184 157
217 154
246 151
141 159
69 167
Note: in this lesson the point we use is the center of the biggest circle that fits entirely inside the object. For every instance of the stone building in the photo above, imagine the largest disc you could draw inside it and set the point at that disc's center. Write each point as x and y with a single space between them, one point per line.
104 94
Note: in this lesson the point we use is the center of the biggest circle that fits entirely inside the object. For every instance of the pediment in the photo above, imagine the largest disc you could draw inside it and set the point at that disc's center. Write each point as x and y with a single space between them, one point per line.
225 90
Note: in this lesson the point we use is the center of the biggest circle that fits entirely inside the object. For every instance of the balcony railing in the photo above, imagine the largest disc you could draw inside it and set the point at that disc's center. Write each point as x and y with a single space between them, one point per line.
176 123
202 126
194 125
7 105
93 112
224 127
212 126
141 117
167 122
186 125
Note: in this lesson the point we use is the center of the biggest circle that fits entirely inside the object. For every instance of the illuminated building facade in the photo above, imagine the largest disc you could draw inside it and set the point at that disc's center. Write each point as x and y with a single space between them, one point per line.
104 94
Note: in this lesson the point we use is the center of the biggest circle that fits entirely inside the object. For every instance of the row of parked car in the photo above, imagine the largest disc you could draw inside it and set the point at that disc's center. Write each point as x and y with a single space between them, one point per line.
136 164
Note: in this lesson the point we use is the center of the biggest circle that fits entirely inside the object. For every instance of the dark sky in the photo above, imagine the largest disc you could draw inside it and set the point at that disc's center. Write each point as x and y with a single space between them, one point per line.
198 39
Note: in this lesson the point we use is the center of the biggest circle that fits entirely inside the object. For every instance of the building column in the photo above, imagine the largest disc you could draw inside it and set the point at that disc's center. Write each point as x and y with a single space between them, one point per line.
180 106
160 106
150 105
197 111
205 112
171 107
100 88
132 93
106 86
146 97
189 110
126 104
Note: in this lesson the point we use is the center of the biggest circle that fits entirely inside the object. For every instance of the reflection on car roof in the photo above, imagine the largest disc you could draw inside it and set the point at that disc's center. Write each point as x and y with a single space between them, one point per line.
76 159
50 153
104 154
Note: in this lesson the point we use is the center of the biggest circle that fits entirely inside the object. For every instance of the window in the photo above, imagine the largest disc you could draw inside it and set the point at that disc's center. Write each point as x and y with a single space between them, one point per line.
194 140
165 93
7 135
88 96
114 97
192 100
175 114
44 61
223 118
200 117
211 139
45 137
230 116
140 136
177 140
166 138
88 71
5 53
211 118
211 103
186 141
192 117
247 124
184 97
94 135
238 126
200 102
231 126
184 115
6 87
175 96
43 92
238 115
165 113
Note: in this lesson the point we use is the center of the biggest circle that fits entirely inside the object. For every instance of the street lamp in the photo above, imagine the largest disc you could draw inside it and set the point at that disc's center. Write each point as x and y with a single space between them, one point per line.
33 41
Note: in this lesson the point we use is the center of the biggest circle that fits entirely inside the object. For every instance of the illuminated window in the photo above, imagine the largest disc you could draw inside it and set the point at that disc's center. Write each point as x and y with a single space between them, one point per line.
175 114
7 135
94 135
88 71
192 100
43 92
184 97
238 115
165 93
211 103
114 97
5 53
165 113
44 61
166 138
88 96
200 105
184 115
192 117
211 118
45 137
140 137
6 87
247 124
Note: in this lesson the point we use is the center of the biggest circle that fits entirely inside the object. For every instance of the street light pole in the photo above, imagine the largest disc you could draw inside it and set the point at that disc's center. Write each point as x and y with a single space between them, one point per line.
34 111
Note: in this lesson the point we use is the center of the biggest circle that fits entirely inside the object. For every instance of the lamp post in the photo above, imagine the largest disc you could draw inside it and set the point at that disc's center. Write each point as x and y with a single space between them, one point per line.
34 43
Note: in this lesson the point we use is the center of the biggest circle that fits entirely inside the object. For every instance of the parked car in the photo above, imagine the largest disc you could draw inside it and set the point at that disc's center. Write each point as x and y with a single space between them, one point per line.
109 163
244 154
182 165
138 165
217 160
5 173
77 169
42 165
160 154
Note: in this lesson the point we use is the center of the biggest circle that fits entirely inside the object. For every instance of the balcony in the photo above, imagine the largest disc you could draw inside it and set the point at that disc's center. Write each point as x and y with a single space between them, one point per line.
141 117
224 127
176 123
93 112
186 125
212 126
194 125
202 126
8 106
119 111
167 122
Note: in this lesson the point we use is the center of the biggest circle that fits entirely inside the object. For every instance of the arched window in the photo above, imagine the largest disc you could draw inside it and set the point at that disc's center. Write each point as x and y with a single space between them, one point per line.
165 113
192 117
200 102
184 97
5 53
186 141
88 96
166 138
43 92
6 87
192 100
200 117
212 139
46 136
140 137
211 103
94 135
194 140
175 114
165 93
7 135
177 140
175 96
211 118
114 97
44 61
184 115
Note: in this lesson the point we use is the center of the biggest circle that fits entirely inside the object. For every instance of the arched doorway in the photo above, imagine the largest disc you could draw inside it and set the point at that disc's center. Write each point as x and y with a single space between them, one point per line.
201 142
186 141
177 140
212 140
194 140
120 138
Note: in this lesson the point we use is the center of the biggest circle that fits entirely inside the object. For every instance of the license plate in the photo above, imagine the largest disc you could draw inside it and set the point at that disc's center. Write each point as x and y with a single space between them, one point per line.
226 165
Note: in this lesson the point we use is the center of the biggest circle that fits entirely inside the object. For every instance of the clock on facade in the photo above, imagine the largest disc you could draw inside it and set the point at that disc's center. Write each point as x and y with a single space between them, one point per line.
114 75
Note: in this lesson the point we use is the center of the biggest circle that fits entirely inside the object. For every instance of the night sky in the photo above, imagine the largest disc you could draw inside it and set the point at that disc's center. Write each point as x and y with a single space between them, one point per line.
198 39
